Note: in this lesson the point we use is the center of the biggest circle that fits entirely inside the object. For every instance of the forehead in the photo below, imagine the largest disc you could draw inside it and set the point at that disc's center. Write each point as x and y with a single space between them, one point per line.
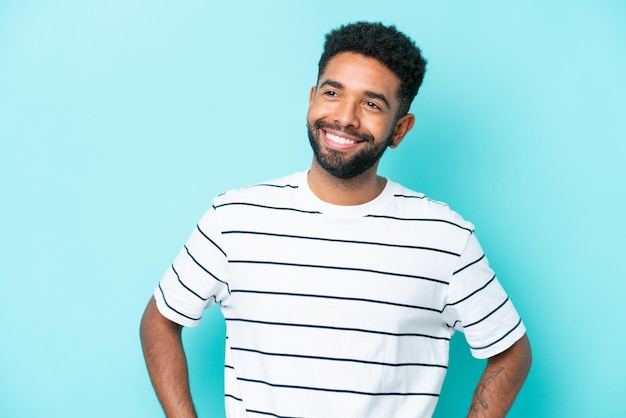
360 73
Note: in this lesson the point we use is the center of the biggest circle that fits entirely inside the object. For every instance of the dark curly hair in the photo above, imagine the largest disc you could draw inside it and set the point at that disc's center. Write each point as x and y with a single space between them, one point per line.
386 44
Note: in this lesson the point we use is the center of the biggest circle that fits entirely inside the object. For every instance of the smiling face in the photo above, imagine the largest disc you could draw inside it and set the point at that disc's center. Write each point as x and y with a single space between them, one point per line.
352 116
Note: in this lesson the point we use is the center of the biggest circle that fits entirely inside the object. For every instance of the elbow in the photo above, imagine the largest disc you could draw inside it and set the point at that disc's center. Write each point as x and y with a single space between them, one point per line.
517 359
527 354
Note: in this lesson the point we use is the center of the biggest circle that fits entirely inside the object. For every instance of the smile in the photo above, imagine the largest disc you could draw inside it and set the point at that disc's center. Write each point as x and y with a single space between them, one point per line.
339 139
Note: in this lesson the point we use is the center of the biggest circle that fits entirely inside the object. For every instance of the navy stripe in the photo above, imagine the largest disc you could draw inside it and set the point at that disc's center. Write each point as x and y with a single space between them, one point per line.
187 287
280 186
328 327
356 392
421 197
266 207
470 264
453 325
228 395
211 241
500 339
420 220
413 247
410 196
471 294
349 360
254 411
207 271
168 305
276 263
488 315
308 295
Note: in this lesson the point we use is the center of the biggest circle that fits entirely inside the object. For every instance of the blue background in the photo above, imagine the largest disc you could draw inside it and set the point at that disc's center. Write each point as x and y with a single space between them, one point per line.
120 120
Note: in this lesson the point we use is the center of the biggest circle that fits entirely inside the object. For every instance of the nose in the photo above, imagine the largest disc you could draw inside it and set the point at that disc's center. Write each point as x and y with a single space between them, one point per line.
346 114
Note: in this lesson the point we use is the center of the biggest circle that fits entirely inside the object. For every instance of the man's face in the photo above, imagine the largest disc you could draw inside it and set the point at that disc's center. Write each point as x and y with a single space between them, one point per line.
352 115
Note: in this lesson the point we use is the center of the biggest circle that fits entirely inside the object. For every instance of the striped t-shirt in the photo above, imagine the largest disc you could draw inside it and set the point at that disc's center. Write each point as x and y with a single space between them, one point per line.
337 311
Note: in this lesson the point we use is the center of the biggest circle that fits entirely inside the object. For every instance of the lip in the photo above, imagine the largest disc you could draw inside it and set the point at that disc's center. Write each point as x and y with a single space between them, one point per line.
339 145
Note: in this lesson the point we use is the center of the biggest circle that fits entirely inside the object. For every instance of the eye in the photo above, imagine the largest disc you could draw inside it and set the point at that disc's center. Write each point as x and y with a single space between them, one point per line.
372 105
330 93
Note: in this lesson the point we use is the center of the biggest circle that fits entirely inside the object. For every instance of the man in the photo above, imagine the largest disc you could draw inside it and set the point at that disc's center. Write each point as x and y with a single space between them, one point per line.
340 288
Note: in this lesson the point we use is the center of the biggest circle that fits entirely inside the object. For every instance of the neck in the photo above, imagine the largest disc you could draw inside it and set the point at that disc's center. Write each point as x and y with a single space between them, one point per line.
345 192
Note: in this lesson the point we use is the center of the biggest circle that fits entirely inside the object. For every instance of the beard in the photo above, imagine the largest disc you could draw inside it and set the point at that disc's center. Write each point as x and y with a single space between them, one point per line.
335 162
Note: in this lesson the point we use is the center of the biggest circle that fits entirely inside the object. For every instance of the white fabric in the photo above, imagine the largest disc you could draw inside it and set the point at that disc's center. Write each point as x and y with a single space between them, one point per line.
337 311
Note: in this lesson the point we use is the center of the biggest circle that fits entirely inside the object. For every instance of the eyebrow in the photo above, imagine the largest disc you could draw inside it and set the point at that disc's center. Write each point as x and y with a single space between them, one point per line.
368 93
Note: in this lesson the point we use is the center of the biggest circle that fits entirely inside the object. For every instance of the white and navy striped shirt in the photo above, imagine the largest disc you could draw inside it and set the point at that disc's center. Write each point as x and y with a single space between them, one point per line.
337 311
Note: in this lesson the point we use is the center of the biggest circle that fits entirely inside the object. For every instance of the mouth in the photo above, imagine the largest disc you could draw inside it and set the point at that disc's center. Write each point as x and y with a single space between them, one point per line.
338 137
337 140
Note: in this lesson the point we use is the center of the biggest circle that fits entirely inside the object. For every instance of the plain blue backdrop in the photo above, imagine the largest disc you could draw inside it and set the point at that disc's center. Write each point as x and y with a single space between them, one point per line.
120 120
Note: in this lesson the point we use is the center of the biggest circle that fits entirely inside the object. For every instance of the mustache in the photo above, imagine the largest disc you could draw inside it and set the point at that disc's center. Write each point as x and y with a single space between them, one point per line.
320 124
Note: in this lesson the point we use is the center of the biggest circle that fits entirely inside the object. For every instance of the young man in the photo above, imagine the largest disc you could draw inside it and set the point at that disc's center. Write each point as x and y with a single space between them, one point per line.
340 288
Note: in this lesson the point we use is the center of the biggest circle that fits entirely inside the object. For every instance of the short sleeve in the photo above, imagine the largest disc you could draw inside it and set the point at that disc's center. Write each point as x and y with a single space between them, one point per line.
478 306
198 277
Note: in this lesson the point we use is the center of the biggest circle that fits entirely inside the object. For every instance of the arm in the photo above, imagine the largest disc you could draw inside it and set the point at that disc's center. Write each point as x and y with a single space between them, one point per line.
167 365
501 381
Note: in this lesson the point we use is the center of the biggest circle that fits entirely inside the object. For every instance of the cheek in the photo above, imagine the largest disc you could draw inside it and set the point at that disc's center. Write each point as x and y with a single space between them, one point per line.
311 112
381 129
321 109
310 117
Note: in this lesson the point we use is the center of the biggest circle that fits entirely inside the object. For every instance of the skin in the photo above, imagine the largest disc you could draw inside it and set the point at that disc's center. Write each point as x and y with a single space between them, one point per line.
349 93
355 99
501 381
166 362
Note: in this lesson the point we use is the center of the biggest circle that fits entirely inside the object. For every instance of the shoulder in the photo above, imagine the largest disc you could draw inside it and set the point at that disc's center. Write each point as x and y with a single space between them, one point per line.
265 191
410 203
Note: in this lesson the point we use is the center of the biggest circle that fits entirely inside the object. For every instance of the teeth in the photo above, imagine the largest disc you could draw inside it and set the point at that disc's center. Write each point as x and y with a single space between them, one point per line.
339 139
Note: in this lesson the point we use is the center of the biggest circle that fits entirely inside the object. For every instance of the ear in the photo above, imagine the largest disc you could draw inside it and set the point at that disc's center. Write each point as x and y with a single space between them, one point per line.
403 126
312 95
